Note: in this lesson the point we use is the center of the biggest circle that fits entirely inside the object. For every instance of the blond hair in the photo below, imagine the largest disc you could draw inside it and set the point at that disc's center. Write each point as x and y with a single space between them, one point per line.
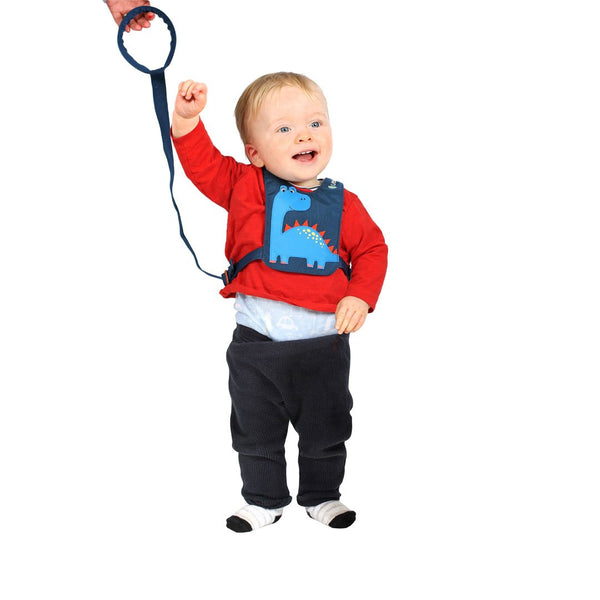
253 96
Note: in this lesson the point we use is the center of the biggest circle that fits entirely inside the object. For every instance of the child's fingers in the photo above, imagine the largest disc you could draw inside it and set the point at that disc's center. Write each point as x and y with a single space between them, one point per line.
345 321
356 322
350 315
340 317
352 323
188 90
197 90
191 90
190 100
360 322
184 87
181 88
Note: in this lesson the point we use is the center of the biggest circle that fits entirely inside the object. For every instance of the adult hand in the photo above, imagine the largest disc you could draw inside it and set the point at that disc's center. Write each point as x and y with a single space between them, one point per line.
350 314
119 8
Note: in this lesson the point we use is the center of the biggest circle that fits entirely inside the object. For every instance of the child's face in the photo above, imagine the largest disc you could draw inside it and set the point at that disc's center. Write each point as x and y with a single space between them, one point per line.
291 136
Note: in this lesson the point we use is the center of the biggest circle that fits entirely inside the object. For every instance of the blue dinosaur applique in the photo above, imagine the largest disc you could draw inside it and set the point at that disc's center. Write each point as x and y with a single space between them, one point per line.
299 241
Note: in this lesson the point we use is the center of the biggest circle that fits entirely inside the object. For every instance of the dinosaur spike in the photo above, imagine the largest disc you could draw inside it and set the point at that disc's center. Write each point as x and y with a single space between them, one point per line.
287 227
332 248
322 233
296 224
314 226
305 223
327 241
335 251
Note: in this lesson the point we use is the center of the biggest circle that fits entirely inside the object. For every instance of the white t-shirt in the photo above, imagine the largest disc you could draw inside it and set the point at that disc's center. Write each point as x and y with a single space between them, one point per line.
281 321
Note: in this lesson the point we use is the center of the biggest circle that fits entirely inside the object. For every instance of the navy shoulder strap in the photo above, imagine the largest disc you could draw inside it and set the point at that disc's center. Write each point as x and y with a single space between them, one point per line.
159 93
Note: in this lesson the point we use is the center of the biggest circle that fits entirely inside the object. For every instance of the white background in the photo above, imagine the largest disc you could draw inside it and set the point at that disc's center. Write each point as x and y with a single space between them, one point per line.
471 132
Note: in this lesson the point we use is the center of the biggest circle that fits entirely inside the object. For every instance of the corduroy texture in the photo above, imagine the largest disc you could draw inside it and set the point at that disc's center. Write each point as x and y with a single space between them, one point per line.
302 382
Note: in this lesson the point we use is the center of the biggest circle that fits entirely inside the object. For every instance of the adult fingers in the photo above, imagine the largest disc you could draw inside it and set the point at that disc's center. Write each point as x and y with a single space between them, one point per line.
143 20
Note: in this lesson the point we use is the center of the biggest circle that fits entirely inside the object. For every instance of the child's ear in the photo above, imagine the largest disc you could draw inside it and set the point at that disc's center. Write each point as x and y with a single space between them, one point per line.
253 156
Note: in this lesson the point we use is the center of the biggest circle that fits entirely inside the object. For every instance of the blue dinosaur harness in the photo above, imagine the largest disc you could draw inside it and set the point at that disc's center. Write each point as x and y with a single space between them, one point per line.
302 231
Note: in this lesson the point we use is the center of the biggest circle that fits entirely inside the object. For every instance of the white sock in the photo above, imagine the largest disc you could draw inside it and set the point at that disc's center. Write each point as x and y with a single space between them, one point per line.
251 517
332 513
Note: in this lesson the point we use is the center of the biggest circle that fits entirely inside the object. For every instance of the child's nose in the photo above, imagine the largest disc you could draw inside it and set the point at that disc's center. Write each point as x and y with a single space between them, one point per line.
304 136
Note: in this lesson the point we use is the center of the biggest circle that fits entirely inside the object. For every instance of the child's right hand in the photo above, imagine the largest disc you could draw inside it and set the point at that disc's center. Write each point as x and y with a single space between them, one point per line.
191 99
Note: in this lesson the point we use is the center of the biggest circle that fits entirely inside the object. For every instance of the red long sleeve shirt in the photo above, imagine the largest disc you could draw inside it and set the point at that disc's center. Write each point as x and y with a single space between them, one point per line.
239 189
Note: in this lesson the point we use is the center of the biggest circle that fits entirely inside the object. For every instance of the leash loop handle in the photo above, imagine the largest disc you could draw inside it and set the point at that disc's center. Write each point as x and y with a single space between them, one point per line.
127 19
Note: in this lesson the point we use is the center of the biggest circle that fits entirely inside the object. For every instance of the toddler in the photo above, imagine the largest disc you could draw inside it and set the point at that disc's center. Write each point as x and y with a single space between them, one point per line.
307 264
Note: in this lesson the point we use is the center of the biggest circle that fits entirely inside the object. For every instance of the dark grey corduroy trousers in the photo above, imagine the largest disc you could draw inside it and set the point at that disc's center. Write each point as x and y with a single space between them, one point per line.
302 382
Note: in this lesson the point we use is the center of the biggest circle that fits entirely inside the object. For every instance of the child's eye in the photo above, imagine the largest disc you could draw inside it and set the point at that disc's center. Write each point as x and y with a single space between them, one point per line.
315 124
284 129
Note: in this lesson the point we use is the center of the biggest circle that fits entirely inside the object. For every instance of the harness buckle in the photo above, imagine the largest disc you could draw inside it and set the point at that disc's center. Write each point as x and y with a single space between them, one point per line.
229 273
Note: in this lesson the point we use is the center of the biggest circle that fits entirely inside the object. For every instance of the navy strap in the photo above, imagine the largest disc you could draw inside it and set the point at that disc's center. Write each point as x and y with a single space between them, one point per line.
235 268
159 93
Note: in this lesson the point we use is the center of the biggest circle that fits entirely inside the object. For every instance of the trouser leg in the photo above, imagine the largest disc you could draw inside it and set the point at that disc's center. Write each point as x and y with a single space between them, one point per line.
259 420
320 413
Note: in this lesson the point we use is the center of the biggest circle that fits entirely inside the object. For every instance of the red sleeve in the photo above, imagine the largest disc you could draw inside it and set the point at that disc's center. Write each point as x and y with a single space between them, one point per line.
363 241
212 173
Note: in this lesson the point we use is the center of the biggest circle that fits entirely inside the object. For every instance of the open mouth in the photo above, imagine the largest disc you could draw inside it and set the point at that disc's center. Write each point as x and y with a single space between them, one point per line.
305 157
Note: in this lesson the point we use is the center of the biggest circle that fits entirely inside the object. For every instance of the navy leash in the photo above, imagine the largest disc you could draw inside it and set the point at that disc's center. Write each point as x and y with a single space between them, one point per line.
161 107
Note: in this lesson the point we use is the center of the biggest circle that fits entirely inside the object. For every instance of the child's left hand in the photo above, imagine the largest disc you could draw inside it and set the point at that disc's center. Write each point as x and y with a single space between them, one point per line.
350 314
